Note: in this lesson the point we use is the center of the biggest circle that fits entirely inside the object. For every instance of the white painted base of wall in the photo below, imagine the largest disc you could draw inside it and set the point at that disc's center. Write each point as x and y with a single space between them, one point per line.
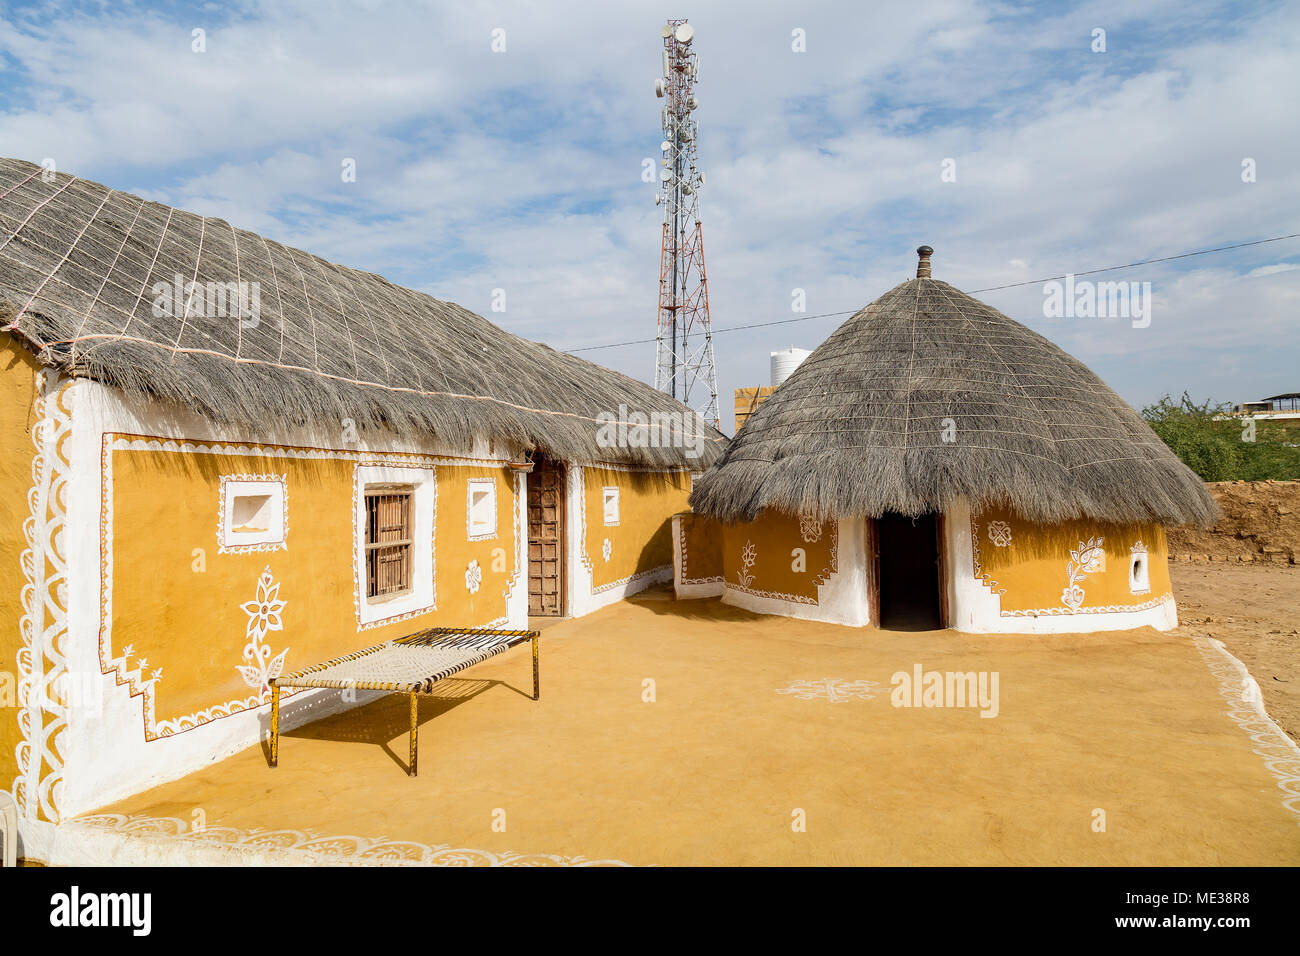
841 600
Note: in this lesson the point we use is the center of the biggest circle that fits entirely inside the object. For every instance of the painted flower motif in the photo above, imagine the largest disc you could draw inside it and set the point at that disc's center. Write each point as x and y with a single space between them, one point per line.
473 576
747 559
1088 558
1000 533
264 615
606 549
810 528
1072 597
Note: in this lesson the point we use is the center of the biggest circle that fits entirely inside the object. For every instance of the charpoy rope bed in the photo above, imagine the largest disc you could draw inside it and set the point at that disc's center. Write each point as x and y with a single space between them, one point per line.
409 665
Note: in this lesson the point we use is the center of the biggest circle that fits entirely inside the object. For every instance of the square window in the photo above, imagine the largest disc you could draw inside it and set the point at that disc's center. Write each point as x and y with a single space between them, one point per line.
251 514
481 507
609 498
254 514
389 540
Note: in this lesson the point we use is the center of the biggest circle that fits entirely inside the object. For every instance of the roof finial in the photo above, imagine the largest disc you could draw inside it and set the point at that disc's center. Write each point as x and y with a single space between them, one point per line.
923 264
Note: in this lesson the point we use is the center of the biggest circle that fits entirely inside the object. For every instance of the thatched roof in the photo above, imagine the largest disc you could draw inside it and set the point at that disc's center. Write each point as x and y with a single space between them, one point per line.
78 266
859 428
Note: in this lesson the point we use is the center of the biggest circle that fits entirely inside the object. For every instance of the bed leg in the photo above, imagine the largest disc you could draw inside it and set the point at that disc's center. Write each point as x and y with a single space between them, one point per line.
275 726
415 730
537 674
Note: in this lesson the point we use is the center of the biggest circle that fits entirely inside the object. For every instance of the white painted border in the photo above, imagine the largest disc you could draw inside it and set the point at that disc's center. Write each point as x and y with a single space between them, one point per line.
423 596
490 484
275 538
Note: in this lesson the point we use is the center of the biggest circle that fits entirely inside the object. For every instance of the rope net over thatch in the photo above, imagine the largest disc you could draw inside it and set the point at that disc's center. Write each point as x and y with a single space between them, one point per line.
928 396
105 285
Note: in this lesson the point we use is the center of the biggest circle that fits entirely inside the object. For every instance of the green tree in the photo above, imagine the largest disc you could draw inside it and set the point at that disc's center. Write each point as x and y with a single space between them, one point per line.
1216 445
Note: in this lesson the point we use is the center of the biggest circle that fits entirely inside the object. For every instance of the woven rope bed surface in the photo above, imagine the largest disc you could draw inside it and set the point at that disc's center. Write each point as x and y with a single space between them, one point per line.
412 664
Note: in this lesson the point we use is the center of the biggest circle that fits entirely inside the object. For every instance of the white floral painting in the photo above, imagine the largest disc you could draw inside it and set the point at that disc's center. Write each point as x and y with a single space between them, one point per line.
264 616
1089 558
473 577
606 549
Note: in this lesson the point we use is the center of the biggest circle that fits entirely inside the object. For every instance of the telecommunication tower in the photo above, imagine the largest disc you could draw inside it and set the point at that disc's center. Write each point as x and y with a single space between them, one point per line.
684 341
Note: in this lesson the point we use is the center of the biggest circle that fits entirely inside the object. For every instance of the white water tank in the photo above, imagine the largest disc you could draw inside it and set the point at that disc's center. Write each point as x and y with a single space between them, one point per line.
785 362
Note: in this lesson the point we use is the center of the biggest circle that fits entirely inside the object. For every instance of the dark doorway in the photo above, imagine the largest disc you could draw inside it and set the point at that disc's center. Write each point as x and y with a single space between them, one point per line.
546 538
908 549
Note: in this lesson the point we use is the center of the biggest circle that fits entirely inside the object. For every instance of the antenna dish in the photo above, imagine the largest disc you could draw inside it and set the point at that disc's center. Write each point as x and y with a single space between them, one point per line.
665 146
665 175
659 87
666 30
685 33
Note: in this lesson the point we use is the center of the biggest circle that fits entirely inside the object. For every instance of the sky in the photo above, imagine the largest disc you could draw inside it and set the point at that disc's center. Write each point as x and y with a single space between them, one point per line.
520 169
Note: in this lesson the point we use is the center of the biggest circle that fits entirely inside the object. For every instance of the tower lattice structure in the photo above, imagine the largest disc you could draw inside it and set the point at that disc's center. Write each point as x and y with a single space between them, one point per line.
684 365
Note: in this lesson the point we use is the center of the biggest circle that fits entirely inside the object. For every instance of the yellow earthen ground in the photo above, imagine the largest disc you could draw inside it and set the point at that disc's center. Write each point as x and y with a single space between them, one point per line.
710 772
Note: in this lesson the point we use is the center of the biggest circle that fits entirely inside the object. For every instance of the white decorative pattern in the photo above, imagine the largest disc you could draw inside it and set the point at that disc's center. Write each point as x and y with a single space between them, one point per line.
835 689
1088 559
486 532
606 550
232 481
119 665
684 551
1000 534
747 559
810 528
307 846
473 577
832 565
1246 710
42 718
264 615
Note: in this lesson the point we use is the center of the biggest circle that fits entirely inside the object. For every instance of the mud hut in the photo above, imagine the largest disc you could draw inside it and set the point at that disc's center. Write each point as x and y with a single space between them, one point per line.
936 463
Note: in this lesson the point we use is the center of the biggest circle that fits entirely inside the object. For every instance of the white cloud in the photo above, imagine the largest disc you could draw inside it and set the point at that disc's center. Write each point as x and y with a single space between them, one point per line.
521 170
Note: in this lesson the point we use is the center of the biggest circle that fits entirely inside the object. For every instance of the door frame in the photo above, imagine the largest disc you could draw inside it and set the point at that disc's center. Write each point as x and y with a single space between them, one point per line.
872 540
872 550
562 531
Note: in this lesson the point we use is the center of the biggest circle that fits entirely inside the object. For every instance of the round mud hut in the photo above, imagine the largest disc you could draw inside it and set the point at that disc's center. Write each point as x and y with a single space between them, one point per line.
935 463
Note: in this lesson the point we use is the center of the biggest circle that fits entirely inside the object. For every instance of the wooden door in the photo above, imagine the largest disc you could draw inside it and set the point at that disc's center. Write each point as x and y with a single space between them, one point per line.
872 551
546 538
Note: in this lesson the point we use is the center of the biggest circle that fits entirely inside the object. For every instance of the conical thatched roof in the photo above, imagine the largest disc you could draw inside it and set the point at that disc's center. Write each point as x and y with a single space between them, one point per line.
859 428
78 266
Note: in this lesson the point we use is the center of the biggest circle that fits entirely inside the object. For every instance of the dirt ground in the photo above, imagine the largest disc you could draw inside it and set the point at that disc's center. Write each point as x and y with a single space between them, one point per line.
691 732
1259 521
1255 611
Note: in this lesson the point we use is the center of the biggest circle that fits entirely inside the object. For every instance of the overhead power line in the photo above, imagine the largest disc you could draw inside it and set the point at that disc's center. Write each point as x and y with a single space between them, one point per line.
992 288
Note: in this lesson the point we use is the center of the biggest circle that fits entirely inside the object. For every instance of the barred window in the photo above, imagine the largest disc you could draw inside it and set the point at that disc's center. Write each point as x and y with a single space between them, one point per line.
389 539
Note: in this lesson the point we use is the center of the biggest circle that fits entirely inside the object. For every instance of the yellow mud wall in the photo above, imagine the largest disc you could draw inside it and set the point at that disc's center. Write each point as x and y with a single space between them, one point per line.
700 544
176 601
642 539
1031 565
759 556
17 397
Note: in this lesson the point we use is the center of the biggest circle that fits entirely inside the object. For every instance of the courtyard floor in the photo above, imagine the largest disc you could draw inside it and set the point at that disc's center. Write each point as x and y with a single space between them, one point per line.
694 733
